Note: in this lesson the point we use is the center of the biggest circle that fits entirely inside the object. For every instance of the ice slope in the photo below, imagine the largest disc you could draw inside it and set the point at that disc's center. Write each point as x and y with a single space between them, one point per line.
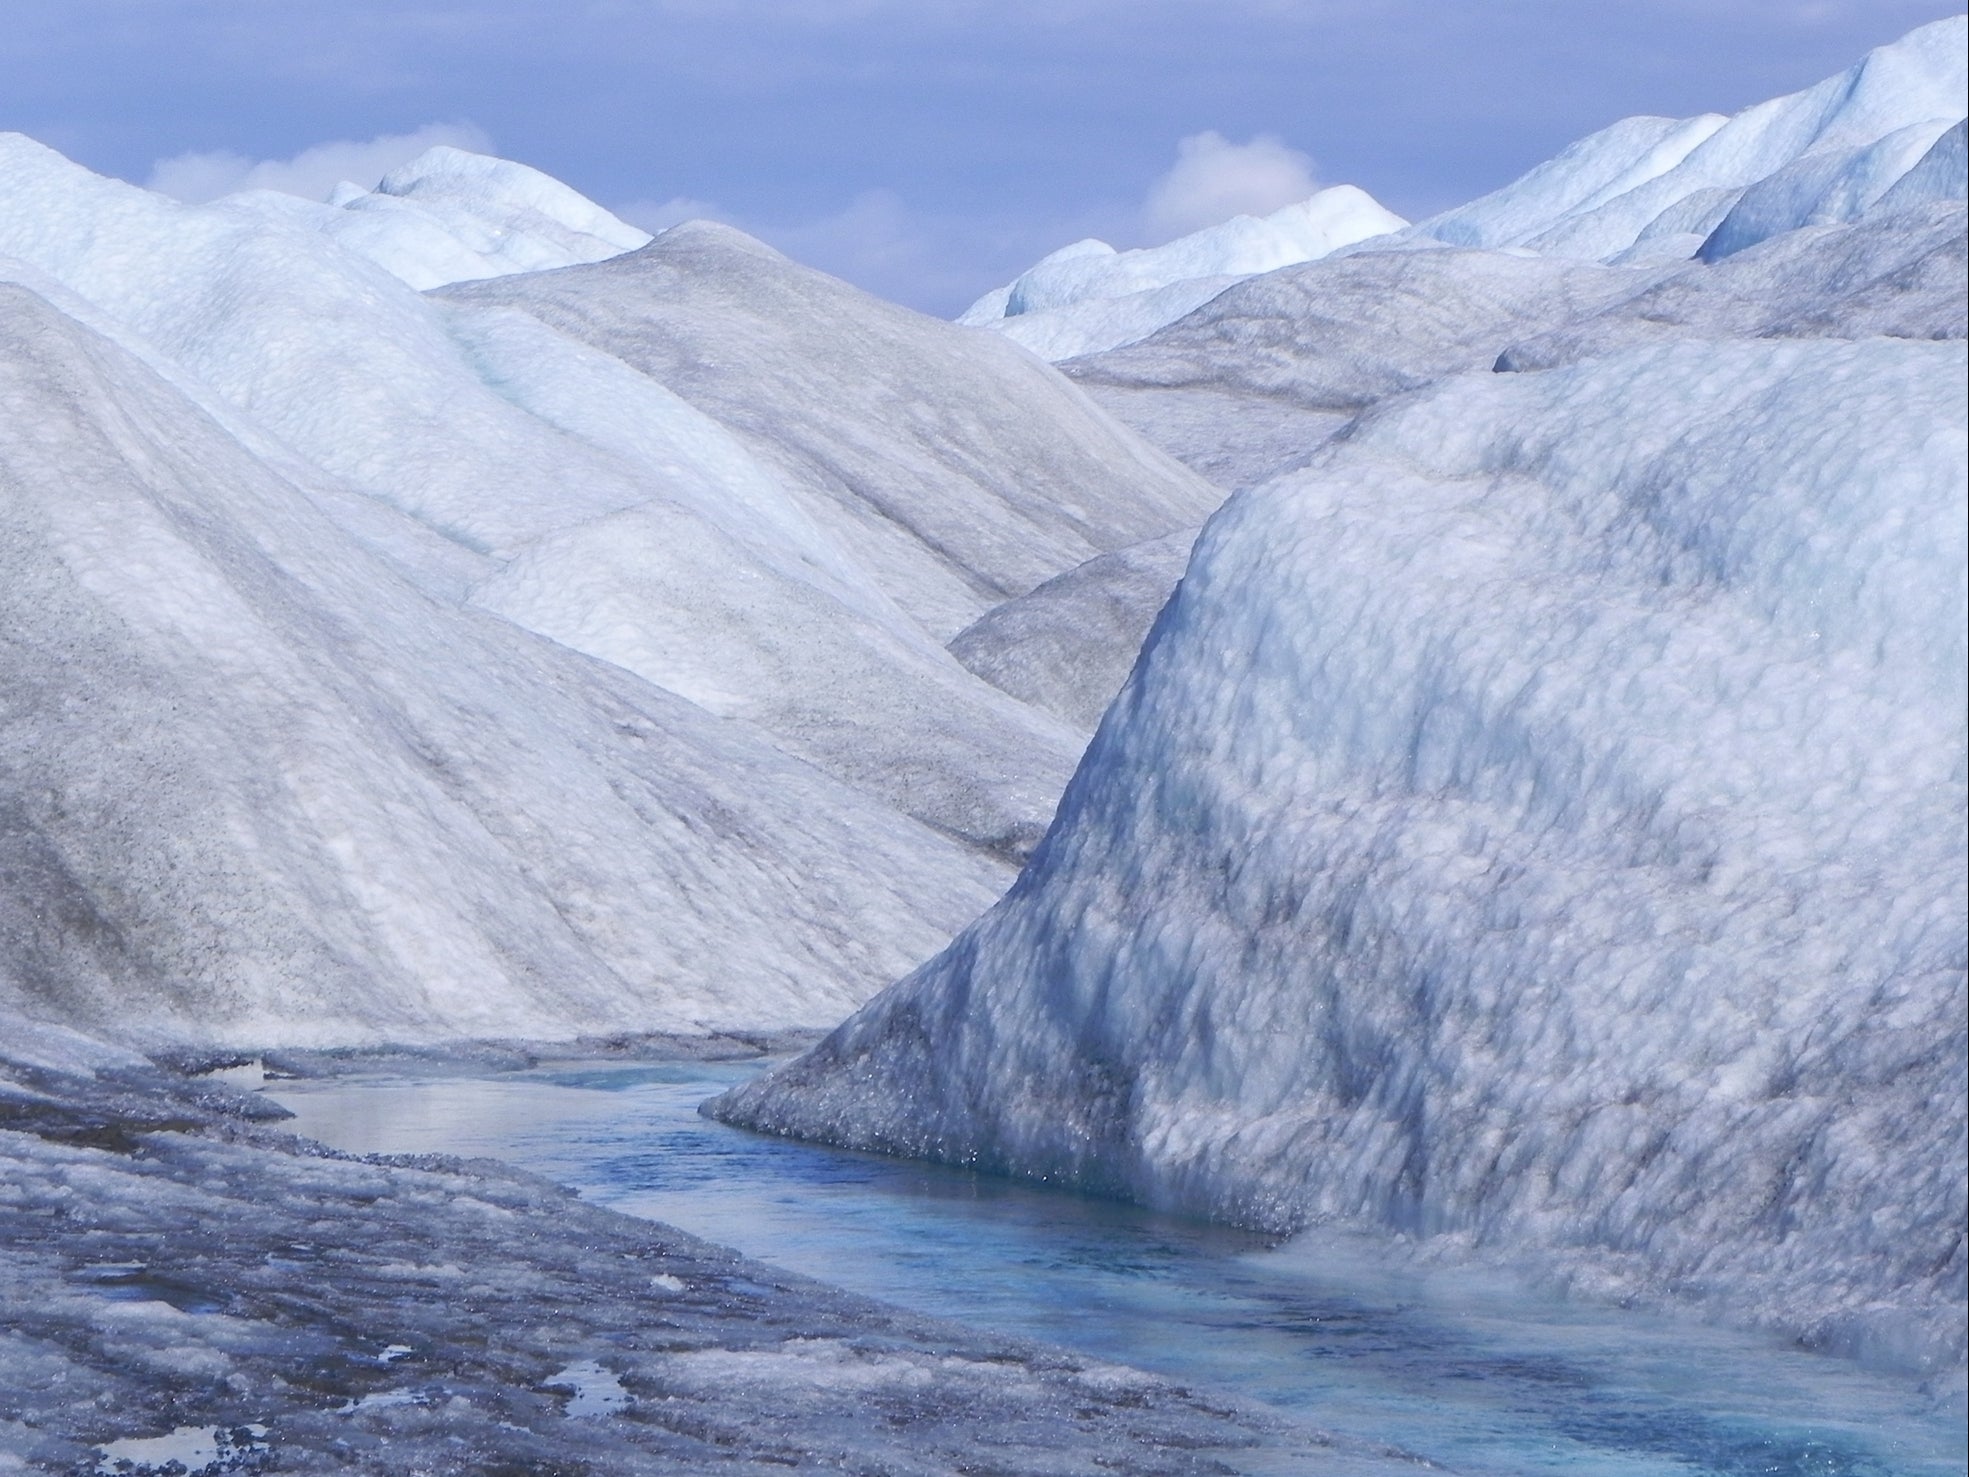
1088 296
1663 186
1535 823
260 786
1894 273
607 511
1067 646
959 471
453 216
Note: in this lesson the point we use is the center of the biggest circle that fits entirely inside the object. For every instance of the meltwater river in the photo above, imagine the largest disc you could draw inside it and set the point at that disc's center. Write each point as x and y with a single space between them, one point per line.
1479 1376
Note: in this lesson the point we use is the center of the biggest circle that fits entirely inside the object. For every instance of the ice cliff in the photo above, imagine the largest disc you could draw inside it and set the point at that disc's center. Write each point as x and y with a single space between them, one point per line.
1535 821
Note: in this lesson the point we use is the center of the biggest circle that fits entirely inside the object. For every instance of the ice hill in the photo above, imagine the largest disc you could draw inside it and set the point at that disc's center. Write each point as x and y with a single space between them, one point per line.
1087 297
1667 188
453 216
1534 823
309 575
1882 136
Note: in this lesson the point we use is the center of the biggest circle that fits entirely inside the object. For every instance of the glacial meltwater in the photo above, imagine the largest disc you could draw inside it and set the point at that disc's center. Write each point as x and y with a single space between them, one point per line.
1470 1371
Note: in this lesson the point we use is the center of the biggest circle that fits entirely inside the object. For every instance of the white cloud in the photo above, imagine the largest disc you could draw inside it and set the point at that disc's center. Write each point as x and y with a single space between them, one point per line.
660 215
312 173
1214 179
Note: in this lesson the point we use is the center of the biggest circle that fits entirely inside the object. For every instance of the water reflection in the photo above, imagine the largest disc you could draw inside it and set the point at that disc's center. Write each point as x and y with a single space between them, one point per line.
1476 1374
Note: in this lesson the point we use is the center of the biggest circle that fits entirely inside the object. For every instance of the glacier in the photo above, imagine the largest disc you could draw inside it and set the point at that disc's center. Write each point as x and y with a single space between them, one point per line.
292 759
1533 824
1470 716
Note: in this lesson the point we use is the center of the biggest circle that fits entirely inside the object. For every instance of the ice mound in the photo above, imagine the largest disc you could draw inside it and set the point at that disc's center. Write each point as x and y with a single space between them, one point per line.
1665 185
1534 823
1067 646
1088 297
453 216
262 787
796 564
1643 191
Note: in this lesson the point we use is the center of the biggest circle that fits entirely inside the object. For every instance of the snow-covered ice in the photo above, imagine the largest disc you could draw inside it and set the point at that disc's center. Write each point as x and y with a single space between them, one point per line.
1088 297
1814 157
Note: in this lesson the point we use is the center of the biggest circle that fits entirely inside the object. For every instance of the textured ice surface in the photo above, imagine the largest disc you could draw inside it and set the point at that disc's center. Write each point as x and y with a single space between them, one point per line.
182 1285
956 470
1899 274
1067 646
1537 821
1088 296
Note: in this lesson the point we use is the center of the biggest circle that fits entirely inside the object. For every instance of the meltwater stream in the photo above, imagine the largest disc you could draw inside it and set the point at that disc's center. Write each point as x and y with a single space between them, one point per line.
1476 1375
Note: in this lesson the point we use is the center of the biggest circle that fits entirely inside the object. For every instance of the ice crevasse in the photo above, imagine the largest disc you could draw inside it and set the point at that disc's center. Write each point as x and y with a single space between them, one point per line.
1534 824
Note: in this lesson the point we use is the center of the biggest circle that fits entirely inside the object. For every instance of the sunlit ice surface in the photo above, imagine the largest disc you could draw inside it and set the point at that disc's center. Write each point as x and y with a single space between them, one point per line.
1472 1370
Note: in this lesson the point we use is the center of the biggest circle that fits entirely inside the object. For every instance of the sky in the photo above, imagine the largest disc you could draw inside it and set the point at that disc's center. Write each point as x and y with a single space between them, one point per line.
927 150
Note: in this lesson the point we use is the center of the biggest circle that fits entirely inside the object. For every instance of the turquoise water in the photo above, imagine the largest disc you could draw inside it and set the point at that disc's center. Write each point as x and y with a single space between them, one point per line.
1470 1371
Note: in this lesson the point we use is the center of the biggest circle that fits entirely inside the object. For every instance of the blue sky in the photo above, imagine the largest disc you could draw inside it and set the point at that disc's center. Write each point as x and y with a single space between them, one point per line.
925 149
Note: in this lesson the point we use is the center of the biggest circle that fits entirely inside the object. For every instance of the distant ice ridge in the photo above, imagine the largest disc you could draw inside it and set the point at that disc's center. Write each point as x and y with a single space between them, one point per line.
454 216
1087 297
1882 136
1664 188
1536 822
763 500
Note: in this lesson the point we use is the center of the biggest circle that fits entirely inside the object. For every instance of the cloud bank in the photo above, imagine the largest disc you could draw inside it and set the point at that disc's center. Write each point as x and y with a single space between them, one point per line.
197 177
1214 179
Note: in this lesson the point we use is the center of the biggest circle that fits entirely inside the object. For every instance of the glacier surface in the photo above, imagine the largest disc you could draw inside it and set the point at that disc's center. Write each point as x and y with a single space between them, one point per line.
290 759
1533 823
190 1290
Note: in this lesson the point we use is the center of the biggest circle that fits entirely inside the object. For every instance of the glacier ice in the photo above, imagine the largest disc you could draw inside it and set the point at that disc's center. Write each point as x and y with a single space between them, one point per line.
305 471
262 787
188 1284
1643 191
1534 823
450 215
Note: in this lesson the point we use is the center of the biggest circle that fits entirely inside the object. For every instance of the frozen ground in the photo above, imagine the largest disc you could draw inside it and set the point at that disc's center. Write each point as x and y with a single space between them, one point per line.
184 1283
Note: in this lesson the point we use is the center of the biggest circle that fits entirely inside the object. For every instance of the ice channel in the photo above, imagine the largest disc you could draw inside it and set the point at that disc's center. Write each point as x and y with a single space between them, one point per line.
1477 1374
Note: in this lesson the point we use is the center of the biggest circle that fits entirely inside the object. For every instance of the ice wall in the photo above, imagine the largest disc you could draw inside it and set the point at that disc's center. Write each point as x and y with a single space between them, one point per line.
1535 823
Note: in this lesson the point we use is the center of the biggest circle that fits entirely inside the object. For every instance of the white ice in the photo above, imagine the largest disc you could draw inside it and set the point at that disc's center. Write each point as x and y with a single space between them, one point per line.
1088 296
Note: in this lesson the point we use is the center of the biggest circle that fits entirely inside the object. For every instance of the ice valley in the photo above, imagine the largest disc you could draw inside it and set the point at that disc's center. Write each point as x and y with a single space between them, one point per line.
1451 731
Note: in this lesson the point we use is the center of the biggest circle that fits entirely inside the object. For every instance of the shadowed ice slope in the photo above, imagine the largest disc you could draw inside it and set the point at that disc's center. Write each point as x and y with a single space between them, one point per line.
259 786
958 470
1537 821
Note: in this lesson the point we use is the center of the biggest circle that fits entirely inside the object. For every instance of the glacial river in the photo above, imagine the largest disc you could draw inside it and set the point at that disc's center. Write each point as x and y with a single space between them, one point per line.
1473 1373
